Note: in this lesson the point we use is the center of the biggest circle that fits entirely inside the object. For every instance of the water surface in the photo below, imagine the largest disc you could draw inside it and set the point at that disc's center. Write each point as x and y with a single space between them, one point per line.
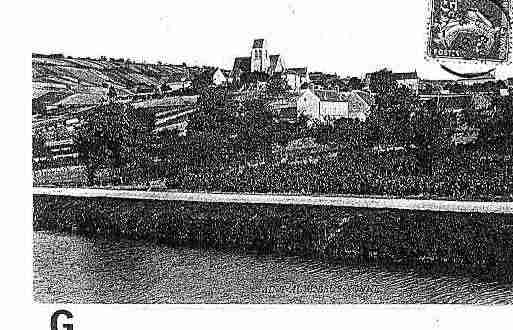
76 269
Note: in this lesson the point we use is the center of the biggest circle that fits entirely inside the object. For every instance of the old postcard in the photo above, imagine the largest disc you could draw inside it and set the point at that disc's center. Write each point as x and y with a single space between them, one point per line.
281 152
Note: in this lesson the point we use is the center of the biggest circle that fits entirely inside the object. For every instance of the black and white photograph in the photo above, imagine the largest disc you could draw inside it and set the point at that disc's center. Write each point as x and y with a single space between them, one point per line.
269 153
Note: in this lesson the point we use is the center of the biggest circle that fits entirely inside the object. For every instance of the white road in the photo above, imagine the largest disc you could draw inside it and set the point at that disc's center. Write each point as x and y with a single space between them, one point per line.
281 199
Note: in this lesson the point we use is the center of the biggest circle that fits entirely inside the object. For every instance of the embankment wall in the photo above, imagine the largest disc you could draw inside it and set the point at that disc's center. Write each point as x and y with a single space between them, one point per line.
477 243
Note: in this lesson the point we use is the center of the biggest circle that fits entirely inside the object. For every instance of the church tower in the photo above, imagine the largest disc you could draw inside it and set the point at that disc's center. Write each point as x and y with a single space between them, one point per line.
260 56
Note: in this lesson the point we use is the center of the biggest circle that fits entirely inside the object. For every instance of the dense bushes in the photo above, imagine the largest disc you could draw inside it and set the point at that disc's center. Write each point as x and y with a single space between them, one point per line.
478 244
465 175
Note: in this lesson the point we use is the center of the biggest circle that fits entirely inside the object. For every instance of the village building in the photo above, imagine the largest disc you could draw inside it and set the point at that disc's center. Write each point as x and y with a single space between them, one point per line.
297 77
260 61
407 79
220 77
360 105
326 106
323 105
285 109
176 82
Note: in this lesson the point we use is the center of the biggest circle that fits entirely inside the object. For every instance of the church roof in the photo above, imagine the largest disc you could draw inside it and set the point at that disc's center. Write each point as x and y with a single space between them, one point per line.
330 96
242 64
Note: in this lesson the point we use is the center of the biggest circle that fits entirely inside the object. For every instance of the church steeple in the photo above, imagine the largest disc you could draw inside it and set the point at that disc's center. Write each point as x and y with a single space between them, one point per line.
260 56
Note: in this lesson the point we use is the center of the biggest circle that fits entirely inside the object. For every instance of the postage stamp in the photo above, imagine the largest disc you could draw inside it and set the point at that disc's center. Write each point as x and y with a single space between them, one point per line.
469 30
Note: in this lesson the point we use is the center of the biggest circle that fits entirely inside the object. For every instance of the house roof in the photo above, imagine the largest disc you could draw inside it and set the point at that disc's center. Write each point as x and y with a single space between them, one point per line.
258 43
366 97
223 71
288 101
330 96
299 71
404 75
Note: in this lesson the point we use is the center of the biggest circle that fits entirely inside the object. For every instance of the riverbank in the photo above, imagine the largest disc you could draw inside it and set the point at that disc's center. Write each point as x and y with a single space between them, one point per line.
480 244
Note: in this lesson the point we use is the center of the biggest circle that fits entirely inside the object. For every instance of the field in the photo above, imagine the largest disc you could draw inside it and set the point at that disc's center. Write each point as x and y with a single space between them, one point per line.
70 175
67 76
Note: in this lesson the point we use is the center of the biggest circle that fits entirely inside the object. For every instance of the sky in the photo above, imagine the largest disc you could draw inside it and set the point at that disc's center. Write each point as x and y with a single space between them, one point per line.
345 37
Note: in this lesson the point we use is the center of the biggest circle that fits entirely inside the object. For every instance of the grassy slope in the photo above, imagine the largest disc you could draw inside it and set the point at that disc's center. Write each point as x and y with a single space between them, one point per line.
97 73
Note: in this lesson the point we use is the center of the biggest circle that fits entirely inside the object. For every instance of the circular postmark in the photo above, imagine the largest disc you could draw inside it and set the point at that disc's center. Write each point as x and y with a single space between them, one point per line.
469 31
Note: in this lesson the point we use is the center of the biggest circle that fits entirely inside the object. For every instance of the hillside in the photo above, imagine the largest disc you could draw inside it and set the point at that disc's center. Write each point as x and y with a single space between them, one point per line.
58 80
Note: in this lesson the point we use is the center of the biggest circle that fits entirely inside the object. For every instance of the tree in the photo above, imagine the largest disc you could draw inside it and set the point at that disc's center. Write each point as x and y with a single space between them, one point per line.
225 130
111 93
430 134
202 80
350 133
211 129
213 110
253 77
496 121
118 137
39 148
355 83
381 81
256 128
394 105
277 85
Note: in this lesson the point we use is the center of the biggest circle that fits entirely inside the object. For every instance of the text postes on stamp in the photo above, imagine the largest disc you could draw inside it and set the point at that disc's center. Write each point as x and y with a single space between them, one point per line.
469 30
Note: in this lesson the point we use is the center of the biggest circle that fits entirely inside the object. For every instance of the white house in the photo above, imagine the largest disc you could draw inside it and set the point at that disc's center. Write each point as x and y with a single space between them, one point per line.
323 106
326 106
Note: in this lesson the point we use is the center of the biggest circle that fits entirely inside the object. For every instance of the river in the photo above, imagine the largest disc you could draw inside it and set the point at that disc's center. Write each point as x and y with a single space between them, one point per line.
75 269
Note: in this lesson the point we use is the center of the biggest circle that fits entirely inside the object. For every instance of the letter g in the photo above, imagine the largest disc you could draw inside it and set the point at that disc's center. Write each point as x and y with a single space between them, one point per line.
55 316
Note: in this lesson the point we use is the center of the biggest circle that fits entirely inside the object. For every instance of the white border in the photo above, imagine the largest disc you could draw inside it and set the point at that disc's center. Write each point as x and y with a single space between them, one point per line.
21 313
